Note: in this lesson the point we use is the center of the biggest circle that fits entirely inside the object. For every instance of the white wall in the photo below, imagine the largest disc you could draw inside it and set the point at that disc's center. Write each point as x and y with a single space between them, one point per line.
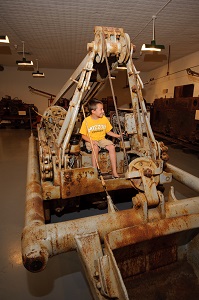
156 88
15 84
121 91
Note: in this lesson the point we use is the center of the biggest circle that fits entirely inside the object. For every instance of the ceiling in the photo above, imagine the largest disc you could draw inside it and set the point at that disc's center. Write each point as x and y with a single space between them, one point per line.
56 32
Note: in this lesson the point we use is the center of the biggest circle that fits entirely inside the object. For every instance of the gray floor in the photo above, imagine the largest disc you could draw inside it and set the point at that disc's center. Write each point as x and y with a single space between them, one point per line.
63 277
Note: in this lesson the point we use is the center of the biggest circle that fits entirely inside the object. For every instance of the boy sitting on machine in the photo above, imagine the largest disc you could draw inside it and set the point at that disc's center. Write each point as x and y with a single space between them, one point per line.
94 129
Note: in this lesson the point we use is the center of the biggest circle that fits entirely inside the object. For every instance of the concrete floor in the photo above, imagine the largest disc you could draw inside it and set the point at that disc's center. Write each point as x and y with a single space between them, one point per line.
63 277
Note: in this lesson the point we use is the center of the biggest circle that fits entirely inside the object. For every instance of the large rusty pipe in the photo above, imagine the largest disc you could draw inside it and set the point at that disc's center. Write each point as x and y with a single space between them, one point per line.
32 235
59 238
184 177
48 240
62 234
34 203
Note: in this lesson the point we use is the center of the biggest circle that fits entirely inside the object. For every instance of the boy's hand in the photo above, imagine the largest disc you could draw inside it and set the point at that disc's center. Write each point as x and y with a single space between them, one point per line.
121 135
94 143
124 134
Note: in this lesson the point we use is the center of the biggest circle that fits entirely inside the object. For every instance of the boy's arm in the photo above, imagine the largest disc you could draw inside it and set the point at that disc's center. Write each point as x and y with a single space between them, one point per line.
86 138
111 133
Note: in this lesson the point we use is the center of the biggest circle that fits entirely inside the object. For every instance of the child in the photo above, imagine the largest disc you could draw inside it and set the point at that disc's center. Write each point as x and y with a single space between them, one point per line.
94 128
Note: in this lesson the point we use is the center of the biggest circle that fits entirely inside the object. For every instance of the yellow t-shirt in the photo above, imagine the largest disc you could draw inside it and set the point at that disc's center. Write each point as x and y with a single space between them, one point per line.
97 128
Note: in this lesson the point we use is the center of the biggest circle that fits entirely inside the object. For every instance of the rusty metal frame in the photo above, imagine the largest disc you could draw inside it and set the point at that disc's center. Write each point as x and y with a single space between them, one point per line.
96 238
41 241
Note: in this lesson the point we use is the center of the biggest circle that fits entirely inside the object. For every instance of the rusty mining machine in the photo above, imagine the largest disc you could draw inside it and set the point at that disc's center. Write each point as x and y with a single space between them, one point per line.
118 248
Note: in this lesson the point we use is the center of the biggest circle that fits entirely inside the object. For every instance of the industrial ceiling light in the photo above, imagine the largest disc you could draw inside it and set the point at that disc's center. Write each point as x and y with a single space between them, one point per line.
152 46
4 39
24 62
37 73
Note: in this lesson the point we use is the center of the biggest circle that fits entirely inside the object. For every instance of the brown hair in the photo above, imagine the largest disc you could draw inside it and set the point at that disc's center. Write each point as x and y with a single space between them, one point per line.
92 105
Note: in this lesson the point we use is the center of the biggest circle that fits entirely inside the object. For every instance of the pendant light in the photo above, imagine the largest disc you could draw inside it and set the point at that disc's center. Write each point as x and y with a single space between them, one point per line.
37 73
152 46
4 39
24 62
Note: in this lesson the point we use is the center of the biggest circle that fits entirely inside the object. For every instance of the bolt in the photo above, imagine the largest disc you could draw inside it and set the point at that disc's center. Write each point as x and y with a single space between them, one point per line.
90 46
96 274
98 285
148 173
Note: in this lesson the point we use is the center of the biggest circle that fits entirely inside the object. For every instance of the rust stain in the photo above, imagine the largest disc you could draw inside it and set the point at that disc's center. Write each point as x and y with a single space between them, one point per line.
148 231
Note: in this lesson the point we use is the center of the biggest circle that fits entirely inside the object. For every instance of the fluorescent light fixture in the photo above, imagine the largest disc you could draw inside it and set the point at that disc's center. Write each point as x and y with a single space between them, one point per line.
24 62
152 46
4 39
37 73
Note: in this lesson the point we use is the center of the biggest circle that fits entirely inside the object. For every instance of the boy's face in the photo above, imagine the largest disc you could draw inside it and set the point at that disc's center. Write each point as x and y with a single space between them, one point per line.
99 111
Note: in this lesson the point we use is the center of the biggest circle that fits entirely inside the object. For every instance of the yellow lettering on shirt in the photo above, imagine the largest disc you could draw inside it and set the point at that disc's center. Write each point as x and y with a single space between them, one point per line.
95 129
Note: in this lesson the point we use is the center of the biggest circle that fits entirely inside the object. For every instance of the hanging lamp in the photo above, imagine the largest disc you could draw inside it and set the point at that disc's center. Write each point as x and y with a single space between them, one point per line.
153 46
4 39
24 62
37 73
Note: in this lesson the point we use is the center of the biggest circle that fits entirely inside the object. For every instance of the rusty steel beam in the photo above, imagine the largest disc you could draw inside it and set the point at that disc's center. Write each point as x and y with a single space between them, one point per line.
44 241
152 230
40 241
34 213
184 177
88 182
182 207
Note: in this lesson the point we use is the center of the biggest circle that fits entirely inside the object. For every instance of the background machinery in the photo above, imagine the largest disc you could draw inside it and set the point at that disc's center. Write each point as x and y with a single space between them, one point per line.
62 101
177 118
16 113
